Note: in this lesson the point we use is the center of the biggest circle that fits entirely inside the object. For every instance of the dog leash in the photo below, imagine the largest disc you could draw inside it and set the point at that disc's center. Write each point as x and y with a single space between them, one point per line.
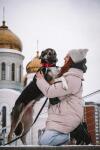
30 126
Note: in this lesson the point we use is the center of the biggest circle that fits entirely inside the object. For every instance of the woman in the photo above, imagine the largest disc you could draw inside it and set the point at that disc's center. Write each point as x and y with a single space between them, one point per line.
66 115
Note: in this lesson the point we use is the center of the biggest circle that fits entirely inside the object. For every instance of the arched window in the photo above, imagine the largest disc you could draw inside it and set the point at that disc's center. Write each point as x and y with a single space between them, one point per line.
20 70
3 71
13 72
3 118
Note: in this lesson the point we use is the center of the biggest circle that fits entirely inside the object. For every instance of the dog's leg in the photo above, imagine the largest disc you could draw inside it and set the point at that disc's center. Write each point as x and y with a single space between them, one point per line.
22 116
11 131
29 93
23 139
27 121
16 116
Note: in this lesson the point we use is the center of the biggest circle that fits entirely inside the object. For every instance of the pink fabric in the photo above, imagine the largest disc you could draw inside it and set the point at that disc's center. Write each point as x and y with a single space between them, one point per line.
66 115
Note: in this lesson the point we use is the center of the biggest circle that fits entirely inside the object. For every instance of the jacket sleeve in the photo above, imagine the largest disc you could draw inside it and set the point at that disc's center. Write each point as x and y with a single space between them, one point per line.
51 91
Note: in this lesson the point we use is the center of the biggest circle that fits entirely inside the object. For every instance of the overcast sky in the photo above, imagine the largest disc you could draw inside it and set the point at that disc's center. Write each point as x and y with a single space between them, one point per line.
59 24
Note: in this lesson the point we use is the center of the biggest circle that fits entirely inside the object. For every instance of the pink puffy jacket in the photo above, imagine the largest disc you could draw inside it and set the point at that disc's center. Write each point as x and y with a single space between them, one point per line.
66 115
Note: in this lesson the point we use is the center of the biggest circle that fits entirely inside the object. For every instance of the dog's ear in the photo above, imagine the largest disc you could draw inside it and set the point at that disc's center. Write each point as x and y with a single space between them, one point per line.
55 54
42 54
56 59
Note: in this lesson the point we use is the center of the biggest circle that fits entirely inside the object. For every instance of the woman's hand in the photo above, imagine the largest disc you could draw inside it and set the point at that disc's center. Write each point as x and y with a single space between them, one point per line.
39 75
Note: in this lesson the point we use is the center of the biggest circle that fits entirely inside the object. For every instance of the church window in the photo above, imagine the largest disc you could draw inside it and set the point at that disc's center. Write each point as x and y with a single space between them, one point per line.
20 73
3 71
4 118
13 72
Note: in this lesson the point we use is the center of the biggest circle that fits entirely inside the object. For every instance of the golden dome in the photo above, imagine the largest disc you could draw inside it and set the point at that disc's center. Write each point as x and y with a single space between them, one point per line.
8 39
34 64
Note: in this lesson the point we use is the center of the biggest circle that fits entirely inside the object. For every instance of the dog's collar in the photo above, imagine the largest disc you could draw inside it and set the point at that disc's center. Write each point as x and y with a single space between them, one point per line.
47 65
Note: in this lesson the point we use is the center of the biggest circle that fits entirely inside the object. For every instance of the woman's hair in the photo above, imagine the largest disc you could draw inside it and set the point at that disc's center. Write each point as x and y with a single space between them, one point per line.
70 64
66 67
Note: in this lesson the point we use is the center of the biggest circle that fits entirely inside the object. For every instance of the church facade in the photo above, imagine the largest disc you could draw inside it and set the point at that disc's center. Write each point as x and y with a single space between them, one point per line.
11 73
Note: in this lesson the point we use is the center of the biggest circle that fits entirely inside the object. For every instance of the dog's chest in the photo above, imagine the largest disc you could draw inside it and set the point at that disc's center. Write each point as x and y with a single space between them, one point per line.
51 73
54 71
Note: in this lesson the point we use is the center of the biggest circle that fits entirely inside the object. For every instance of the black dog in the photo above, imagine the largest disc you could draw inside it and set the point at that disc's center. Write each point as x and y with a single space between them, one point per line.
20 121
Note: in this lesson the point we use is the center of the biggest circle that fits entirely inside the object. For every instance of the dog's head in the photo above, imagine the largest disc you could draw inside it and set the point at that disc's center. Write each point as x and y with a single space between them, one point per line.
49 56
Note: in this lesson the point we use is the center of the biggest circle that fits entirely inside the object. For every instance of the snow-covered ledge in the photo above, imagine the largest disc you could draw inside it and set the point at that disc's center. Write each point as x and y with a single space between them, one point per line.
68 147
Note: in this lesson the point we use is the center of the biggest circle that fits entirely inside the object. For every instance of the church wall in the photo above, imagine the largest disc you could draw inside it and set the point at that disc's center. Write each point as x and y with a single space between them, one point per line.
10 58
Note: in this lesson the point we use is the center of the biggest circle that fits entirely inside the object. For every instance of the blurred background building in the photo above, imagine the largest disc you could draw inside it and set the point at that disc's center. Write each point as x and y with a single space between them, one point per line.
92 115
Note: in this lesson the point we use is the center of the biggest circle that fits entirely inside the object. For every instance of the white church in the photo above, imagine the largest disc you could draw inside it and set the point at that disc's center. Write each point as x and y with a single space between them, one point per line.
11 85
